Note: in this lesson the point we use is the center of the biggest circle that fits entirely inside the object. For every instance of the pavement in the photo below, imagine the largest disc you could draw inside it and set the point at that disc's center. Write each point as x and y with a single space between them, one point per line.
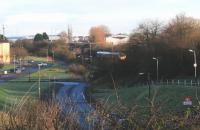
71 99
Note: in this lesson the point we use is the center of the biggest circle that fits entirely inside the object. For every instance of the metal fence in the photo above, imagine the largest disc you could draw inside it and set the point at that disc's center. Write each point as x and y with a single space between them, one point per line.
176 82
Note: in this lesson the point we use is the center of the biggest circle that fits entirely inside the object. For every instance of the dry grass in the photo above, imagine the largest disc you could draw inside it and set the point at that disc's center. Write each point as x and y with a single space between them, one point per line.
77 69
37 115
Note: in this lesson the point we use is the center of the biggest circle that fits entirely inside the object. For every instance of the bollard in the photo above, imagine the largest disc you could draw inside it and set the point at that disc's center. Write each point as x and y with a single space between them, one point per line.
191 82
185 83
178 82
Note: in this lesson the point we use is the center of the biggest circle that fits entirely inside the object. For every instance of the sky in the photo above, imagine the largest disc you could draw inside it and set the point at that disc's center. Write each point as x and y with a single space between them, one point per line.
28 17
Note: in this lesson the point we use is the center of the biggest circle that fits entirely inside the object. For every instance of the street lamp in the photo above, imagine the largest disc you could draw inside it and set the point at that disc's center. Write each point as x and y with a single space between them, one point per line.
39 80
195 63
148 83
20 64
53 55
90 53
154 58
14 64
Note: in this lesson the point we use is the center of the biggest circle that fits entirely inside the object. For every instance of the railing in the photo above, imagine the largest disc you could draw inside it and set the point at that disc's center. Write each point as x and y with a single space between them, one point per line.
176 82
42 80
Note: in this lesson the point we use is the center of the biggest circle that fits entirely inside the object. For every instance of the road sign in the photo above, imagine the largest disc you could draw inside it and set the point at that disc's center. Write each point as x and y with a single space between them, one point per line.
187 101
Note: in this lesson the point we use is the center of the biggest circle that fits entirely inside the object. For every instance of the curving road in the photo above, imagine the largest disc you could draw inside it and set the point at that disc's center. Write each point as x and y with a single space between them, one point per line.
71 98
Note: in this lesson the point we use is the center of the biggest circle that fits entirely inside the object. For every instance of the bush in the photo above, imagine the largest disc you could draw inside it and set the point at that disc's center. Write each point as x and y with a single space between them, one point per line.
77 69
37 115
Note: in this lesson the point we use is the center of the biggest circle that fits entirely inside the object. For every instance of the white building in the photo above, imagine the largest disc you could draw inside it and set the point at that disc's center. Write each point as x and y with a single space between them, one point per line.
4 52
117 39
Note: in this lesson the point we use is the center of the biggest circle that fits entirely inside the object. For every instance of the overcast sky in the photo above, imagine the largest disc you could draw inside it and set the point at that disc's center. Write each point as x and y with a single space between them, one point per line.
26 17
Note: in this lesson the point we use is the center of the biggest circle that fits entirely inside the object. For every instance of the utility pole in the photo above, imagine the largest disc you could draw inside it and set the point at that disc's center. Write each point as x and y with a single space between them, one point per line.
90 53
4 33
53 56
47 55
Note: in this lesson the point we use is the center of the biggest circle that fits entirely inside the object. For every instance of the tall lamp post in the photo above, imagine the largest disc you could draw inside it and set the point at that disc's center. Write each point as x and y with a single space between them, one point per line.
90 52
39 80
14 64
154 58
195 63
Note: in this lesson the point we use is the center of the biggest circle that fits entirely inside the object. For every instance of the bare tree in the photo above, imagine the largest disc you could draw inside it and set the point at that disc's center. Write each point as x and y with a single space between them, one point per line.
183 31
147 31
63 36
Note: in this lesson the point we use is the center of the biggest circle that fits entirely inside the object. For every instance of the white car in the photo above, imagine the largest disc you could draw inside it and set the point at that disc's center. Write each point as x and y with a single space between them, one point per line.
42 64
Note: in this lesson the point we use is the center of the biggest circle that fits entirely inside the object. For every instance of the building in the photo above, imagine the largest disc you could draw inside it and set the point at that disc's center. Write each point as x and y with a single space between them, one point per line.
80 39
4 52
117 39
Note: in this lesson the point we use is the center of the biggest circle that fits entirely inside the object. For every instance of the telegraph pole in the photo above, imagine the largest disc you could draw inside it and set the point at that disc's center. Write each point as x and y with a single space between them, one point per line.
4 33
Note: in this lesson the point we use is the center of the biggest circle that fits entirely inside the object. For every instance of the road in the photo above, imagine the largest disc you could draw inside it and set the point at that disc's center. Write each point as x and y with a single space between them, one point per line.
71 99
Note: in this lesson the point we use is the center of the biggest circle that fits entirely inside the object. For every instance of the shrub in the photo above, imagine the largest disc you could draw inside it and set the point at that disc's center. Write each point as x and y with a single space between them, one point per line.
77 69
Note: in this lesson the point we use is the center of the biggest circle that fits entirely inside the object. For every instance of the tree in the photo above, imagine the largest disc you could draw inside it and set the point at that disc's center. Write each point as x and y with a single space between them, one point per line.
2 37
61 51
182 31
63 36
19 52
147 31
38 37
97 35
45 36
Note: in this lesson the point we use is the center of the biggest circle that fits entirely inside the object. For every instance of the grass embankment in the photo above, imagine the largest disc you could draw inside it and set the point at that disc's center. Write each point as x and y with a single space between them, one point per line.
13 91
169 98
8 66
33 58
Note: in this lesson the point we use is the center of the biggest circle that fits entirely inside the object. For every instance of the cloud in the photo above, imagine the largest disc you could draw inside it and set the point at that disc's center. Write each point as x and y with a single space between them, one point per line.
36 18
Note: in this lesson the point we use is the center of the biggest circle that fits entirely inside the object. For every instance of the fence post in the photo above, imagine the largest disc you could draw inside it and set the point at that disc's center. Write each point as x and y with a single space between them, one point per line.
191 82
152 83
172 82
167 81
178 82
185 83
198 82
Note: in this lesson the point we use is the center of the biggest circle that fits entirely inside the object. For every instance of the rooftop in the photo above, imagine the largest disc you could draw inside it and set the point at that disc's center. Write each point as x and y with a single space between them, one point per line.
3 41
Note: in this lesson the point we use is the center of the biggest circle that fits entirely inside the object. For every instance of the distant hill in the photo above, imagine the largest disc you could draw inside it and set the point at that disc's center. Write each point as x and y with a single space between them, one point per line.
14 38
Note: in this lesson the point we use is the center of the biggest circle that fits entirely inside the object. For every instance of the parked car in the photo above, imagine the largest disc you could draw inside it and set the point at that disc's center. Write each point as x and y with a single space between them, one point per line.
42 64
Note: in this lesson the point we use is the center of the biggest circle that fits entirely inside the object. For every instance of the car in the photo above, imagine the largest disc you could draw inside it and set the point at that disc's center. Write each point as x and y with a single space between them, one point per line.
42 64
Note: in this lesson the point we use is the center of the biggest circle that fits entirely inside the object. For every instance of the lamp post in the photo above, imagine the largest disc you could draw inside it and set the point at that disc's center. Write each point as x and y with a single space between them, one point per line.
195 62
20 64
39 80
14 64
148 83
90 53
53 55
154 58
